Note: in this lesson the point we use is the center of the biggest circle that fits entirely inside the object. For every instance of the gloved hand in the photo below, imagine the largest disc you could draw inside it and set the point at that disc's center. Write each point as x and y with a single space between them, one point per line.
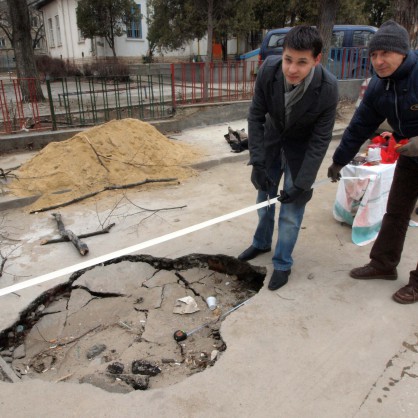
410 149
334 172
260 179
290 195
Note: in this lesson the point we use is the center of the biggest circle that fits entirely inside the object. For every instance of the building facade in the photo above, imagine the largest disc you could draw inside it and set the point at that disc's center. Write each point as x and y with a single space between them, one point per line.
66 41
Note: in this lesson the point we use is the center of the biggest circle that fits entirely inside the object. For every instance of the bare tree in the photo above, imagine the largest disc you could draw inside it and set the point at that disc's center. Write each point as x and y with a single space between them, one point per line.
22 43
37 31
326 18
5 25
406 14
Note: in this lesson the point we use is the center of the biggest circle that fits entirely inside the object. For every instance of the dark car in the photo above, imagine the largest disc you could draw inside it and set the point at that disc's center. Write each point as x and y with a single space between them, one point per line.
348 57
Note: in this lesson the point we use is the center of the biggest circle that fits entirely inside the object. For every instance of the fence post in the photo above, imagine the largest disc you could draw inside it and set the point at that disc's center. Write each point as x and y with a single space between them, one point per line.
173 88
51 104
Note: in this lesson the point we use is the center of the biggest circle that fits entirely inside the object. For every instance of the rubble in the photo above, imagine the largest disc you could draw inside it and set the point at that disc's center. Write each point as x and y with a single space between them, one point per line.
112 325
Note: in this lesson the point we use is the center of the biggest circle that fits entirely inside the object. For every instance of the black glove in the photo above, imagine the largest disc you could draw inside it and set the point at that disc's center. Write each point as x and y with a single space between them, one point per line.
260 179
334 172
290 195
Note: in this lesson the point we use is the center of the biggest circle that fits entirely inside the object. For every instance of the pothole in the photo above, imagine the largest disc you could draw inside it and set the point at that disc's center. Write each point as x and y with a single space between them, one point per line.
113 325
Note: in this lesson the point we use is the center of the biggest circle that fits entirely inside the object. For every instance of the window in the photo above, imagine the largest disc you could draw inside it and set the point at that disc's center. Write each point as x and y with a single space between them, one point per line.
337 39
58 29
51 33
134 28
361 38
2 43
276 40
35 21
80 36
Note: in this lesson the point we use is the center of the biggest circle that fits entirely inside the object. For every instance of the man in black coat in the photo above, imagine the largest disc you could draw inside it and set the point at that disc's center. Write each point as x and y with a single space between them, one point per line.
290 124
393 95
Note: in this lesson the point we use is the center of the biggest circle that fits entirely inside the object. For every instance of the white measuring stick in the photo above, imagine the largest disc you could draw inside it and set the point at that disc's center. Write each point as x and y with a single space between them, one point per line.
141 246
371 177
128 250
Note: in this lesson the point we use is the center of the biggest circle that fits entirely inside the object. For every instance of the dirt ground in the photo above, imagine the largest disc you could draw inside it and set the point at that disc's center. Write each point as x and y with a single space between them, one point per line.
97 330
318 344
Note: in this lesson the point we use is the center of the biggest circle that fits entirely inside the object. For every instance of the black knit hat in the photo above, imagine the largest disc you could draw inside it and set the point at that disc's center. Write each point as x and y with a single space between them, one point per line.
390 37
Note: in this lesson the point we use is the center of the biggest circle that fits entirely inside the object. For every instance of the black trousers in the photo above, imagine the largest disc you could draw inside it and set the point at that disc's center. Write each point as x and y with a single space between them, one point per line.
387 249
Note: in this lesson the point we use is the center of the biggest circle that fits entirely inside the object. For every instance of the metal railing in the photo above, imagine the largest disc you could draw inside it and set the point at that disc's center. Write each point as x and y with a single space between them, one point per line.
349 63
213 82
81 102
87 101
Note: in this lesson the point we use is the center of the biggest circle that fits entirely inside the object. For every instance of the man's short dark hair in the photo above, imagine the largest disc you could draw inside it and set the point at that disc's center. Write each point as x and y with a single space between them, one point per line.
303 38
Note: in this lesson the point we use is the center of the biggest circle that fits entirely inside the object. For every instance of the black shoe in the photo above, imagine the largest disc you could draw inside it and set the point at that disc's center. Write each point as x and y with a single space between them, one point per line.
251 252
278 279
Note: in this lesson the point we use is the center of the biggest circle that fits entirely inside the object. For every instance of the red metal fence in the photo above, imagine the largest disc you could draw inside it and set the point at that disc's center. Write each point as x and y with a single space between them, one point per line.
19 105
212 82
88 101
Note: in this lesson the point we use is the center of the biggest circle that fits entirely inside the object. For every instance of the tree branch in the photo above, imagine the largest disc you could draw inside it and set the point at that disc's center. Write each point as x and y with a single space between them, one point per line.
116 187
70 236
89 234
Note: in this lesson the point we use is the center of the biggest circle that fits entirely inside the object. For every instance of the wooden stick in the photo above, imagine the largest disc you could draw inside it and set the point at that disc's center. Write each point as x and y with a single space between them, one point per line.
77 199
140 183
66 233
3 262
116 187
89 234
64 378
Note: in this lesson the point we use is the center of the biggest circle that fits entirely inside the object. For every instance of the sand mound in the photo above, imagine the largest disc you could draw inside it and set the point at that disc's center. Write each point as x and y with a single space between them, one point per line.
117 153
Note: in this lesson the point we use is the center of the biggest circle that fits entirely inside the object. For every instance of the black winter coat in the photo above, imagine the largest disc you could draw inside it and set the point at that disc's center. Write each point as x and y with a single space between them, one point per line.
394 98
306 137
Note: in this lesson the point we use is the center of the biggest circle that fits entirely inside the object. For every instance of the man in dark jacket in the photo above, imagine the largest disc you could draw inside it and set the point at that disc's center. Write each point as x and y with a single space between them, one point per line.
393 95
290 124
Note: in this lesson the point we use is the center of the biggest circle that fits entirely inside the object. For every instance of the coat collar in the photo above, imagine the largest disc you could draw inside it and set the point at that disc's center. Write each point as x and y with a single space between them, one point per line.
307 100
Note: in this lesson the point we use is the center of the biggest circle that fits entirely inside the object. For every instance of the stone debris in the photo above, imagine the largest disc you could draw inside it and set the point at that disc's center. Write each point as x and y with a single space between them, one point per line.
186 305
115 368
112 326
6 373
19 352
95 351
144 367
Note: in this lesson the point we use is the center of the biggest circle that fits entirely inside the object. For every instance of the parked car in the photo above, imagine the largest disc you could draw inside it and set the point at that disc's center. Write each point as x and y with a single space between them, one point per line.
348 56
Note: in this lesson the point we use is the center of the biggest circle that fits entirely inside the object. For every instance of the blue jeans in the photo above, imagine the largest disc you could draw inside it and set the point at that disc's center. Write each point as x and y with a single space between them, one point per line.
290 220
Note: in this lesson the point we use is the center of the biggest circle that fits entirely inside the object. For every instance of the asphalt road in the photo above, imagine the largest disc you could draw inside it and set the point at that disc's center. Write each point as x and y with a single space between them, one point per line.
324 345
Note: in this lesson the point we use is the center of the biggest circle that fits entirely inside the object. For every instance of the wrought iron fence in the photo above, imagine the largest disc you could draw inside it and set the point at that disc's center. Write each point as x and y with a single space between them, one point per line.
80 102
88 101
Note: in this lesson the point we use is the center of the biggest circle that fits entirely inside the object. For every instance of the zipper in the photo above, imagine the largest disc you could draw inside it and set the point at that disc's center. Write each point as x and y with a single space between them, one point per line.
396 107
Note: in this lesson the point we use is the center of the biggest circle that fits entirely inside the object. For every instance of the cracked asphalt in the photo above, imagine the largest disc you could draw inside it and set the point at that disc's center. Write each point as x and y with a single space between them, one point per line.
324 345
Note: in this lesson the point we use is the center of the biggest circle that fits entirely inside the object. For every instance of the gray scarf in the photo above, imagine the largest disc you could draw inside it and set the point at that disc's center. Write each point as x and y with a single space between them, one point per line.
294 93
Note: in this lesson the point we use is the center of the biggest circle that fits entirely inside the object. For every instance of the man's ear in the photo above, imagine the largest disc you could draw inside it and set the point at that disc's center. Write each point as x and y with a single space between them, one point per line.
318 58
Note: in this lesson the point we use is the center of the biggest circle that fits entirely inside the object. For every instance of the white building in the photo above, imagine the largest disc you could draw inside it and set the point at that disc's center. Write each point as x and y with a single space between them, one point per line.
66 41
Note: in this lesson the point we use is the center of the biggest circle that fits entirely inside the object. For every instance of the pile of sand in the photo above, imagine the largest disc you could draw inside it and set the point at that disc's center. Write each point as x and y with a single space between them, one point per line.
117 153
